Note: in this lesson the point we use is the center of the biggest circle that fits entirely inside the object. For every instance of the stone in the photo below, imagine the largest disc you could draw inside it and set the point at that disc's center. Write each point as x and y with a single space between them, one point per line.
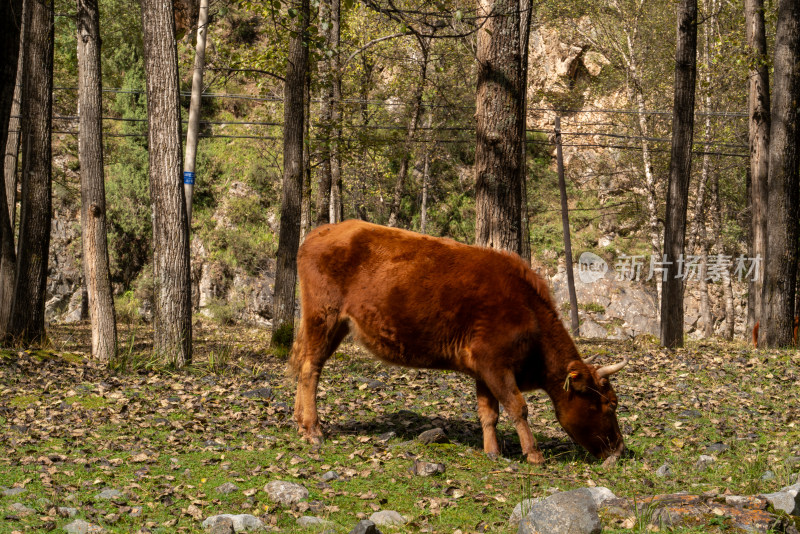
521 510
768 475
704 462
259 393
568 512
108 494
240 522
365 526
136 511
426 469
601 495
717 447
227 488
309 521
21 509
590 329
79 526
664 471
67 511
223 525
286 493
787 499
330 475
387 518
13 492
434 435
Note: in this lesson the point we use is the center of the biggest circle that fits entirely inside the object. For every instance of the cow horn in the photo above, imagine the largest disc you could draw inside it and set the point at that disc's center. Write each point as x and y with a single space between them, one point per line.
590 359
609 370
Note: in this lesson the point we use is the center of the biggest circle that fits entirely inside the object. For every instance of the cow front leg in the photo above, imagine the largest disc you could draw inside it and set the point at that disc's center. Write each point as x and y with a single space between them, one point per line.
488 415
504 387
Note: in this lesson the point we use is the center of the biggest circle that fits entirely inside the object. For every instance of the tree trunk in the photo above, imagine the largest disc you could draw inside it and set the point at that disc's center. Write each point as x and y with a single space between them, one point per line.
8 253
336 208
562 186
499 108
524 37
97 276
293 120
680 168
780 271
193 128
26 324
426 174
759 125
173 304
305 209
326 82
411 132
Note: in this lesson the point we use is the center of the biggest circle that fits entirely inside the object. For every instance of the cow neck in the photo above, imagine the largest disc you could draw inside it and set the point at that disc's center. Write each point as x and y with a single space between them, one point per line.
560 352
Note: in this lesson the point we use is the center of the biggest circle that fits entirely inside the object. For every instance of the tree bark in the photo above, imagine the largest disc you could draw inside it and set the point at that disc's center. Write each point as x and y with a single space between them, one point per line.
8 253
679 173
777 306
193 128
305 211
293 120
173 304
336 206
498 151
97 275
411 132
759 125
26 324
562 187
525 8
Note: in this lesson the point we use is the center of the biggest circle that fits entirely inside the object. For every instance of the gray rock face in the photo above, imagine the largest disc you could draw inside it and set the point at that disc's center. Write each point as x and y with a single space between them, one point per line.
434 435
227 488
704 462
13 492
67 511
223 525
787 499
569 512
240 522
521 510
591 329
365 526
286 493
330 475
664 471
387 518
600 495
108 494
427 469
308 521
21 509
79 526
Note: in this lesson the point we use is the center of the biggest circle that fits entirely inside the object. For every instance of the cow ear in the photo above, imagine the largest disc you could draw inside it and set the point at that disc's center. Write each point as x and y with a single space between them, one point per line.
578 376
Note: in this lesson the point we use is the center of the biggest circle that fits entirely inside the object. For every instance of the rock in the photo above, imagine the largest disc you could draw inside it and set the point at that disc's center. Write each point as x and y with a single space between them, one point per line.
387 518
330 475
308 521
434 435
259 393
240 522
787 499
79 526
365 526
108 494
590 329
664 471
717 447
594 63
748 502
67 511
768 475
569 512
386 436
521 510
136 511
227 488
13 492
601 495
222 525
286 493
704 462
21 509
426 469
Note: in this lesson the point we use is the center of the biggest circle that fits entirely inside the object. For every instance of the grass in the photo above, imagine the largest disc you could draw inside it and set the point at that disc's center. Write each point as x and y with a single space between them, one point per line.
166 440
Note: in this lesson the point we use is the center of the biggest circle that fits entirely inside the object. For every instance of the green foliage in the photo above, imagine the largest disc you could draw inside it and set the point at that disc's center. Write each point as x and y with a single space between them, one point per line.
282 337
225 312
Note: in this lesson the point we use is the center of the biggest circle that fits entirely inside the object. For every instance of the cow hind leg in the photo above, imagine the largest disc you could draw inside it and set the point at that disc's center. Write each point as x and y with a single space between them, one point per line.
504 387
316 342
488 414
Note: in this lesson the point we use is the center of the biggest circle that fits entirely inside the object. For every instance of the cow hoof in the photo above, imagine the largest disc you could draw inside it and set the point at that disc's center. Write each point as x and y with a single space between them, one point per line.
535 458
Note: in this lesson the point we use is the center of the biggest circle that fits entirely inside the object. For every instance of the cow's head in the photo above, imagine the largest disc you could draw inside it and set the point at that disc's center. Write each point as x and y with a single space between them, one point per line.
588 408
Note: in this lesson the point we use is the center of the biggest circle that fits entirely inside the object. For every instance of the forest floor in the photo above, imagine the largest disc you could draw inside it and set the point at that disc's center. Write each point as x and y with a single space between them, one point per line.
168 441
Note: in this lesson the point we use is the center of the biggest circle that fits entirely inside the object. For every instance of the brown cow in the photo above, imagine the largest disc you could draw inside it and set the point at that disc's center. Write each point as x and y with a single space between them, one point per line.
425 302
